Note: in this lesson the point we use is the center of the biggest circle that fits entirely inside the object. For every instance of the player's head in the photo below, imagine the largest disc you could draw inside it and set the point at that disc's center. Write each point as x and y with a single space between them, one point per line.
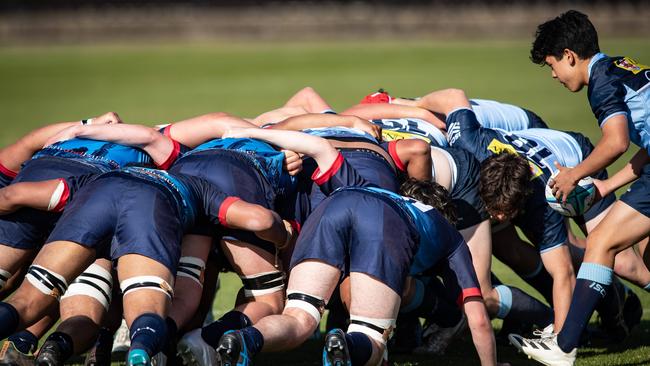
566 43
504 185
432 194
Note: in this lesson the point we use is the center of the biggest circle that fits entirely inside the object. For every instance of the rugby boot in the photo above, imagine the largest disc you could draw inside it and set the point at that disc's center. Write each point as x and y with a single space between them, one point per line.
335 351
138 357
49 355
11 356
436 339
232 350
544 350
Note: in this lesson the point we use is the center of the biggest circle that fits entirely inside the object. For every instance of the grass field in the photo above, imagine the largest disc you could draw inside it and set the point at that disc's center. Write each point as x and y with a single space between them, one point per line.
157 83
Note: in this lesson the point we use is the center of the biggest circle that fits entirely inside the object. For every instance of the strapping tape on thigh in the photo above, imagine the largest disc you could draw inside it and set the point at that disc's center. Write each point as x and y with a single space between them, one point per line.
46 281
192 268
263 283
313 305
153 283
377 329
95 282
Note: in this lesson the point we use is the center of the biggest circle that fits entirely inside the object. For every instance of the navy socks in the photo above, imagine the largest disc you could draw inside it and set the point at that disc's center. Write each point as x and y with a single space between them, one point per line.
232 320
148 332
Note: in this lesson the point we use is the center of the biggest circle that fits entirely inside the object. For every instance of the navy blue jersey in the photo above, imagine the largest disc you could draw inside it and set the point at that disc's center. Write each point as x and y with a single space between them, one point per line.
620 86
261 156
104 155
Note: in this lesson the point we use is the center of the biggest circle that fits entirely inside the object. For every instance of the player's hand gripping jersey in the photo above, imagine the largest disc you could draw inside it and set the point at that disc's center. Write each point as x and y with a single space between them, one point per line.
621 86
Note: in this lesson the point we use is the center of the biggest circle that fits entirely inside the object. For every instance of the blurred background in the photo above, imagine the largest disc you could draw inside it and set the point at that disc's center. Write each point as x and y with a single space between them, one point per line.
161 61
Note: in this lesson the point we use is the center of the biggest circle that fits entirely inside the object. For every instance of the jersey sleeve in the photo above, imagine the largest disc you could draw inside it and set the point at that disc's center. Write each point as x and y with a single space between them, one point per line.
464 131
340 174
606 94
215 203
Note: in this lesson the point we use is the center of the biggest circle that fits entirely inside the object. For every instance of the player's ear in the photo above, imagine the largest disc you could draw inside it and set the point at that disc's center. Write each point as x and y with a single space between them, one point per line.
570 56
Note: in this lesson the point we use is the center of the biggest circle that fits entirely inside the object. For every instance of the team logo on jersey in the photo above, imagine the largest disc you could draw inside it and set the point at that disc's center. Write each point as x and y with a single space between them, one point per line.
498 147
630 65
453 132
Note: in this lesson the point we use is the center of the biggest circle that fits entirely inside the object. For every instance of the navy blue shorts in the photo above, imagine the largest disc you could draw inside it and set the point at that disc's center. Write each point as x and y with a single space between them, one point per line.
638 195
534 121
132 216
234 175
369 164
357 232
28 228
587 147
465 195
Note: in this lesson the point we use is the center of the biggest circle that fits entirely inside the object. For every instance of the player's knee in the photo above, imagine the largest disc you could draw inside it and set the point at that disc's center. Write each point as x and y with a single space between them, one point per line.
260 219
46 281
95 283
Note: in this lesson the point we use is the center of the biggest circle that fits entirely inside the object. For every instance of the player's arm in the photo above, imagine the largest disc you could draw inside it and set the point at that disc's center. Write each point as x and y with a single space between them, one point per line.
612 145
197 130
414 156
37 195
265 223
161 148
629 173
319 120
306 100
12 156
383 110
315 147
482 332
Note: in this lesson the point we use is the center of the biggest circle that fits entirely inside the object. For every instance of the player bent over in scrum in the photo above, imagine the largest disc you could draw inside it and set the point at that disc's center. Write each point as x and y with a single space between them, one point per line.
117 205
344 228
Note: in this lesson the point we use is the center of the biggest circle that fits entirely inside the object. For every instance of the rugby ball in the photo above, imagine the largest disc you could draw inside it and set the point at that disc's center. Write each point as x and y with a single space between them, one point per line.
579 200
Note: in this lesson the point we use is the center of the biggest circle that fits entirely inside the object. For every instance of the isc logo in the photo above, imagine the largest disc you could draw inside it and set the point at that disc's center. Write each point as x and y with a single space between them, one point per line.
598 288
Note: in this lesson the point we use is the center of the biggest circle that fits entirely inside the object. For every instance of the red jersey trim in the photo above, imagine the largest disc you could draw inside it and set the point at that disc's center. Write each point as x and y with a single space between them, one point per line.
63 201
469 292
172 157
392 150
321 178
8 172
224 209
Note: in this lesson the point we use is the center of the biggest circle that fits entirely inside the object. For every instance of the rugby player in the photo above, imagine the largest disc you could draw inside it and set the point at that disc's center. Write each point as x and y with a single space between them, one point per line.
541 148
619 97
322 250
117 205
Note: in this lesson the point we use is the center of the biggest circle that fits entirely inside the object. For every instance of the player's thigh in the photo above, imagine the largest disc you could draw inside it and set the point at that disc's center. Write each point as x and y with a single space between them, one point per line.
621 228
315 278
364 289
248 259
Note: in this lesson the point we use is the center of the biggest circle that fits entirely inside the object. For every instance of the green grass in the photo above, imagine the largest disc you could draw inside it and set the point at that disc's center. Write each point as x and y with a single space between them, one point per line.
156 83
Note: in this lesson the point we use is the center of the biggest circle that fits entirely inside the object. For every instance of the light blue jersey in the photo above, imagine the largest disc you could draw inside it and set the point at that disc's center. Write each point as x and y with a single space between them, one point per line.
621 86
493 114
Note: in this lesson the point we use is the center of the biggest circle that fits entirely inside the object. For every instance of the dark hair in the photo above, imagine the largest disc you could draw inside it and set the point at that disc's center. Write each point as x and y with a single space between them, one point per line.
504 184
571 30
432 194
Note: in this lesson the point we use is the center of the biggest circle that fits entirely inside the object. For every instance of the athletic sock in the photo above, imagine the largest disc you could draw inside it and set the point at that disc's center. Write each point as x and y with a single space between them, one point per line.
610 308
104 339
254 340
429 302
520 307
592 284
24 341
359 347
172 330
64 341
232 320
148 333
541 281
9 319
